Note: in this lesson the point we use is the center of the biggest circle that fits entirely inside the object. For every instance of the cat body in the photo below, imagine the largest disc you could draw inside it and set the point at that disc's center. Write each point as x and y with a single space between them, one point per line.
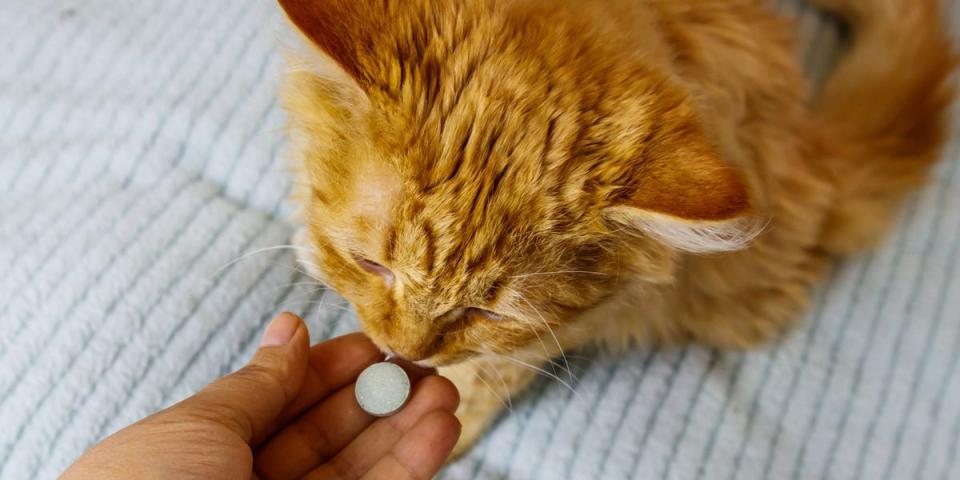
494 182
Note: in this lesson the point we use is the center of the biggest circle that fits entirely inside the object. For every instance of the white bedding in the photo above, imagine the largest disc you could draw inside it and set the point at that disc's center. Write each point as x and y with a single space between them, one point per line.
139 153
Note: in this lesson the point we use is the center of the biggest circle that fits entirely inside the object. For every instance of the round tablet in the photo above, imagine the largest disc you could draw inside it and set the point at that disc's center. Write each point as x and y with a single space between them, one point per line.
382 389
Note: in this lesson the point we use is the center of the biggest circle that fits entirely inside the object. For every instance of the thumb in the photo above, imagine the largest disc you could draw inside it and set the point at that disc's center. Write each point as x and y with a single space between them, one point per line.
249 400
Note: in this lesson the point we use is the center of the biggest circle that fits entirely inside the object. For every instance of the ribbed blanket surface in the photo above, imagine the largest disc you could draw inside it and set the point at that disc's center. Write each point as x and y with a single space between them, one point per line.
139 154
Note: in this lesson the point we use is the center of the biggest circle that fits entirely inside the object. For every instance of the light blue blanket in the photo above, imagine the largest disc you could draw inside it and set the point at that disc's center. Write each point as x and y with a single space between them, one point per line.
140 151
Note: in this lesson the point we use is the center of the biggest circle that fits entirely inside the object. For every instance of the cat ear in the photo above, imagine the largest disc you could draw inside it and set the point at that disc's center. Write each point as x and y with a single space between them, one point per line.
682 193
344 30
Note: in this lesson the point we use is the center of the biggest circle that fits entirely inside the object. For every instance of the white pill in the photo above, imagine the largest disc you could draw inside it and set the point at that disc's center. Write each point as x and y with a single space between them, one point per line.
382 389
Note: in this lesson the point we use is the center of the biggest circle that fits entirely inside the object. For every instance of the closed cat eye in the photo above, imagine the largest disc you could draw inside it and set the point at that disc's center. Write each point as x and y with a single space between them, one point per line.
375 268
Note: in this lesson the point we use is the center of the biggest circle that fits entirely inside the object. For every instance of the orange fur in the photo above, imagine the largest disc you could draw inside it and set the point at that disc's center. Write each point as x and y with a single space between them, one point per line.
575 168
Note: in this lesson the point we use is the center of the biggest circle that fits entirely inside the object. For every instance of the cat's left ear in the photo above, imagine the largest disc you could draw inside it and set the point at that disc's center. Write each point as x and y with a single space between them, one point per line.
681 192
350 32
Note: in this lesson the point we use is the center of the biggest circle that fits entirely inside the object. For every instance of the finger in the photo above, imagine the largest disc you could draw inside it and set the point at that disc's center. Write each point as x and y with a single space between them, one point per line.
333 365
324 430
430 394
420 453
312 438
249 400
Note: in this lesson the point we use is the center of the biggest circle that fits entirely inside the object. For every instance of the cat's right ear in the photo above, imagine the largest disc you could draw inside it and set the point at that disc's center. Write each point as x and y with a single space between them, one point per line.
343 30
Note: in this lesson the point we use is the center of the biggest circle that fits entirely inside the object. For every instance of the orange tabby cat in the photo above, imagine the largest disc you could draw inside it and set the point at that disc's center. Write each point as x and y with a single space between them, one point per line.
490 182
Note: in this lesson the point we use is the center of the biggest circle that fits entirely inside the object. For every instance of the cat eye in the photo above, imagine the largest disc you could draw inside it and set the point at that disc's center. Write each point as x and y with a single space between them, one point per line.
375 268
484 313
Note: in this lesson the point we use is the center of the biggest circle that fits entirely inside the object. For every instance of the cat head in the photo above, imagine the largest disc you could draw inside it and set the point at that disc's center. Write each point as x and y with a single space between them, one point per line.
475 173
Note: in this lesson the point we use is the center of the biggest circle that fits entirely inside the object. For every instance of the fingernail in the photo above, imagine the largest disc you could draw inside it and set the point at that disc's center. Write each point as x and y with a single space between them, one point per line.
281 330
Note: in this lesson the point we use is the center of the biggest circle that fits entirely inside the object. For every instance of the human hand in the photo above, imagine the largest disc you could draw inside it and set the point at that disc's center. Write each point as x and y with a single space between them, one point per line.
289 413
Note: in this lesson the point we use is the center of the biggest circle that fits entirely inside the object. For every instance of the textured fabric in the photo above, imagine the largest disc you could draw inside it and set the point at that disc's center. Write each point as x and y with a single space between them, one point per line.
140 155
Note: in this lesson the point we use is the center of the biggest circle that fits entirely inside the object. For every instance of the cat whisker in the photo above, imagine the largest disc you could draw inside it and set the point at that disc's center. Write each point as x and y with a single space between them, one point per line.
249 254
543 372
572 377
319 286
308 263
557 365
318 303
533 327
318 294
494 392
506 390
315 268
559 272
297 268
319 310
563 354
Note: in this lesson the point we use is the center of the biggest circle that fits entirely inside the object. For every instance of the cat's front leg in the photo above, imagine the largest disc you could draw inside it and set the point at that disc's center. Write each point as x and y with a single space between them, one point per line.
486 386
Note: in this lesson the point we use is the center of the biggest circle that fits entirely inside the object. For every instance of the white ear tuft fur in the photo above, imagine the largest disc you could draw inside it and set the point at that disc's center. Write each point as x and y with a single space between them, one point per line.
687 235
